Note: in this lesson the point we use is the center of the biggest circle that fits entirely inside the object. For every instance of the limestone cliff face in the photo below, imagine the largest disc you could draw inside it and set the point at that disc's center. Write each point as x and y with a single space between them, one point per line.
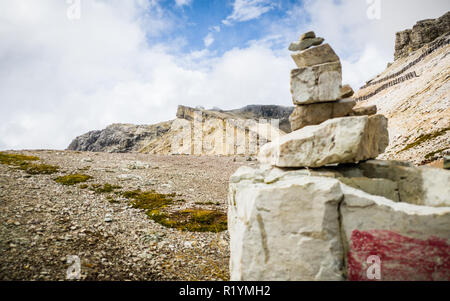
219 132
254 112
423 32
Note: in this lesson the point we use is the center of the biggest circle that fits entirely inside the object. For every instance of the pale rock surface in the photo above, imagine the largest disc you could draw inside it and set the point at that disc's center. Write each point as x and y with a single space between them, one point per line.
417 108
423 186
378 187
287 230
216 136
339 140
435 187
315 56
351 176
317 113
320 83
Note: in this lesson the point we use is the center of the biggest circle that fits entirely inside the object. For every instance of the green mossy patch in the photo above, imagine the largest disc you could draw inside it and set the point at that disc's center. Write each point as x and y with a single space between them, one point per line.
24 163
73 179
112 200
148 200
424 138
106 188
192 220
40 169
15 159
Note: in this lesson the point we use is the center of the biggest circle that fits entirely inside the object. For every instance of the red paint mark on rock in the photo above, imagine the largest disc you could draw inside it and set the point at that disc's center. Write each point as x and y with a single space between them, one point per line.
402 258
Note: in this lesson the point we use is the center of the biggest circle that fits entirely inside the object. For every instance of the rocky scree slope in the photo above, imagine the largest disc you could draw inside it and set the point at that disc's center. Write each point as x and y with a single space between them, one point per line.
415 100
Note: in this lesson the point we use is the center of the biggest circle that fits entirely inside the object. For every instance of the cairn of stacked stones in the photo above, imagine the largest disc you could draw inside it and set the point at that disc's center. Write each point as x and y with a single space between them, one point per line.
321 135
316 84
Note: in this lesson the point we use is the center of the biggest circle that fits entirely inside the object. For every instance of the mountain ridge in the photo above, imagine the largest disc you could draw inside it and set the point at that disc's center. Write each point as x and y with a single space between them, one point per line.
412 92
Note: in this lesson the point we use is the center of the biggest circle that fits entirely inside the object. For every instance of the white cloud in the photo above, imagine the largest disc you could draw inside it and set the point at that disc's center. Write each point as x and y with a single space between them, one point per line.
62 78
246 10
368 65
182 2
208 40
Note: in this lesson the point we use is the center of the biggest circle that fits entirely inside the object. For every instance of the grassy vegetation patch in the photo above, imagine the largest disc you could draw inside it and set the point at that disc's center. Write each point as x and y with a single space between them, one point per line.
39 169
148 200
112 200
192 220
425 138
15 159
73 179
24 162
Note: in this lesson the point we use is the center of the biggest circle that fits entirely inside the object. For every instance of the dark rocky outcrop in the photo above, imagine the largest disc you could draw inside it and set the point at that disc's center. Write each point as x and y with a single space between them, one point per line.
119 138
423 32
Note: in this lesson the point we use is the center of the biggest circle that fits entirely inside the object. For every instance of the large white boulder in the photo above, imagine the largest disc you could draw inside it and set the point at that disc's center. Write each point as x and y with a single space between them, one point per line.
287 230
339 140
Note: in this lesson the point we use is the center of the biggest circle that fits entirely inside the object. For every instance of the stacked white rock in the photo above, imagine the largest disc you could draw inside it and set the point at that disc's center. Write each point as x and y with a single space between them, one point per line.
316 84
321 136
319 209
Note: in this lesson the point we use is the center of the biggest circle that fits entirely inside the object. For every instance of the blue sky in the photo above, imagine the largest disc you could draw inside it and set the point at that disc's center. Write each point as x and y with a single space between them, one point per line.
198 19
66 69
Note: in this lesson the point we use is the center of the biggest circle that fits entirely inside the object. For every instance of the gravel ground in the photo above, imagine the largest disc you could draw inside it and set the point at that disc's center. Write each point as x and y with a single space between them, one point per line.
43 222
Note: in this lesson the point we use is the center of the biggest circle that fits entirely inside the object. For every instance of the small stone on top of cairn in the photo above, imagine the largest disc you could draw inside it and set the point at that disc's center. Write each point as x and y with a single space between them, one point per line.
306 40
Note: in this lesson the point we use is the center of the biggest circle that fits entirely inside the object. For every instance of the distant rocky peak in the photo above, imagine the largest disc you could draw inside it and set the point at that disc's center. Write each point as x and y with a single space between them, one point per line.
423 32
